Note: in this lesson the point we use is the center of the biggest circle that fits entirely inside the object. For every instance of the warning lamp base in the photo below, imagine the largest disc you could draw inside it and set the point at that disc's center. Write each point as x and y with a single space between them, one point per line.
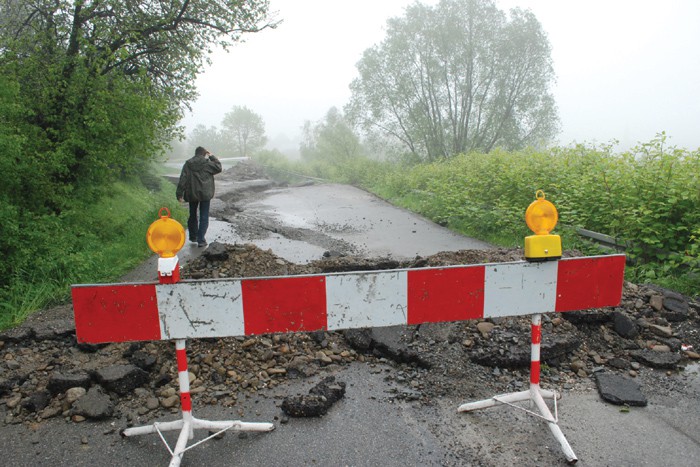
168 270
542 247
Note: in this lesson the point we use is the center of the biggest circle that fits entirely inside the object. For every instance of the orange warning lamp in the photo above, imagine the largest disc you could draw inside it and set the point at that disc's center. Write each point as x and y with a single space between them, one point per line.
166 236
541 217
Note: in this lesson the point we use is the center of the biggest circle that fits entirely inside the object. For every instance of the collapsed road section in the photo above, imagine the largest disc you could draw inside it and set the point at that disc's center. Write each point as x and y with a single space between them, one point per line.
80 395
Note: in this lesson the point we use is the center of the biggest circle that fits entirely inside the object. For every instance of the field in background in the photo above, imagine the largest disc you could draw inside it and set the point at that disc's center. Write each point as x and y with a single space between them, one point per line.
647 198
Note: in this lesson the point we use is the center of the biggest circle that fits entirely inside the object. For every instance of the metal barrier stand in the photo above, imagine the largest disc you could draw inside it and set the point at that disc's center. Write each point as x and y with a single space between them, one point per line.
188 423
124 312
168 273
534 395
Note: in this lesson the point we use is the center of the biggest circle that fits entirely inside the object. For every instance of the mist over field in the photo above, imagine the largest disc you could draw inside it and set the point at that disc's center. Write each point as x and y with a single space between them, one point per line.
625 70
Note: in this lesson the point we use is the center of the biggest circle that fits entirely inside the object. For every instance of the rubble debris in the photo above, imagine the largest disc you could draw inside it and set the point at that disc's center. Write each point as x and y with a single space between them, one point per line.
95 405
122 379
657 359
317 402
499 353
62 382
384 342
428 360
624 325
619 390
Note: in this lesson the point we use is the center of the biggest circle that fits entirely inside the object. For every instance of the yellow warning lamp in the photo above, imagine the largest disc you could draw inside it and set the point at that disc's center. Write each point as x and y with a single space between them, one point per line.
541 217
165 236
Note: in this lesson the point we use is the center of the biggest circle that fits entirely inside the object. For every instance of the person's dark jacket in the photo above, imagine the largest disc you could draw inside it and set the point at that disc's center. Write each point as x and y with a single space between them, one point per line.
197 178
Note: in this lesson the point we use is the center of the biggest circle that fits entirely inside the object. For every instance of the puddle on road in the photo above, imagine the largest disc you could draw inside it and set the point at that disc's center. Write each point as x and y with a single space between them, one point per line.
293 221
693 369
292 250
692 373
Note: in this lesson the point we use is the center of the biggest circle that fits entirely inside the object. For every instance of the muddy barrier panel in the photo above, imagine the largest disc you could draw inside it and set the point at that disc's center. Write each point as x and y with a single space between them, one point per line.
328 302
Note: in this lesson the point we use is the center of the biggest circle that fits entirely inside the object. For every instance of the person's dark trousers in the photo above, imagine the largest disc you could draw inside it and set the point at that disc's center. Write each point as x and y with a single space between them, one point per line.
198 230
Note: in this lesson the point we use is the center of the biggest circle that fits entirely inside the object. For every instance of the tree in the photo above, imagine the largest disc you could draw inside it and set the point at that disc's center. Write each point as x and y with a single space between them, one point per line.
456 77
163 40
330 139
244 130
104 83
211 138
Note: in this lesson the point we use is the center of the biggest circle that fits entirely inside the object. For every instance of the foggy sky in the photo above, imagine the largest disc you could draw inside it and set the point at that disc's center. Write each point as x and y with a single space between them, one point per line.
626 69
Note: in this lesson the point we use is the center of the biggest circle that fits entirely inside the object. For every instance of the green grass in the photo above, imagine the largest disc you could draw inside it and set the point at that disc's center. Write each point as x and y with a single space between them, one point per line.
92 243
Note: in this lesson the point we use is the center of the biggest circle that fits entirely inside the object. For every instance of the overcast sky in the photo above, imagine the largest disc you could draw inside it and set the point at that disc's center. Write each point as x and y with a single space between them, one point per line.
626 69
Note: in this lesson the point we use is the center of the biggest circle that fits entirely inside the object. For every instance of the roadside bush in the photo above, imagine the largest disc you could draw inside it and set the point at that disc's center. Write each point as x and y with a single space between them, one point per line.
92 242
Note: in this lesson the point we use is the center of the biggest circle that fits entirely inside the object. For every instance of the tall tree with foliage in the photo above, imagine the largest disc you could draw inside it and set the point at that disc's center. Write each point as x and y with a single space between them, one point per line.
244 130
456 77
331 139
103 82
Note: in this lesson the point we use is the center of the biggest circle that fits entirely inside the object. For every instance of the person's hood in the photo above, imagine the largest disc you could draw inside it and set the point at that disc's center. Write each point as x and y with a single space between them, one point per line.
198 162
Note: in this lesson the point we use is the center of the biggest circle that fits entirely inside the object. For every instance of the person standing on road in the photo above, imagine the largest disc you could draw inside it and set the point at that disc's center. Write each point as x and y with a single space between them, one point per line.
196 186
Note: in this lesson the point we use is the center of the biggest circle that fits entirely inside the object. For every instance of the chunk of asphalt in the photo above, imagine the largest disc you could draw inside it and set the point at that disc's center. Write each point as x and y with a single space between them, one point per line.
514 356
216 252
53 329
624 325
95 405
121 379
61 382
37 401
329 389
653 359
619 390
385 342
317 402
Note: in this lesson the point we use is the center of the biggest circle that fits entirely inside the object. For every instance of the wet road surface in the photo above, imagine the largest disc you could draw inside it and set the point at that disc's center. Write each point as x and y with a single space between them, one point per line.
369 426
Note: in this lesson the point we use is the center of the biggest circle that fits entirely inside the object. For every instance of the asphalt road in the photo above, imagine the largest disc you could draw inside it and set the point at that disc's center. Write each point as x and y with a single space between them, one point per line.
369 426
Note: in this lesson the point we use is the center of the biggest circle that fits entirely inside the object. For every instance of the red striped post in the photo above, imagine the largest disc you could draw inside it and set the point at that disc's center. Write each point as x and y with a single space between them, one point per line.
183 377
535 349
106 302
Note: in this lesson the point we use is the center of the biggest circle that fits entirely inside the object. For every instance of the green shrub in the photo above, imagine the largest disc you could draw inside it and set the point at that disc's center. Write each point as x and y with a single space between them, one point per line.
95 241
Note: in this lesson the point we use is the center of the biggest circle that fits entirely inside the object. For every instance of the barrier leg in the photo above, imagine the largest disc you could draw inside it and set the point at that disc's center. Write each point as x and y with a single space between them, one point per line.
535 395
188 423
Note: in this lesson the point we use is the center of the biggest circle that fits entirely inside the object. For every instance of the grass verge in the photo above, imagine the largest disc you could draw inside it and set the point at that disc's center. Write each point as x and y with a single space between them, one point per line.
92 243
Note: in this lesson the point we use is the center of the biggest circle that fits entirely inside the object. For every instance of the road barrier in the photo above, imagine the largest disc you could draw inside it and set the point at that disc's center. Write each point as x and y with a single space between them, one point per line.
242 307
180 310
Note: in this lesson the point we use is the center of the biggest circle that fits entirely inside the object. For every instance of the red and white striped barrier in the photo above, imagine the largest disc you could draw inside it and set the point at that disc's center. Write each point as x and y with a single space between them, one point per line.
238 307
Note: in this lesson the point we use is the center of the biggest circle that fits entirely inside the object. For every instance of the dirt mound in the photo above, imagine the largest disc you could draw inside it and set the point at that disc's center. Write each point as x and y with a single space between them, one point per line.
243 171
